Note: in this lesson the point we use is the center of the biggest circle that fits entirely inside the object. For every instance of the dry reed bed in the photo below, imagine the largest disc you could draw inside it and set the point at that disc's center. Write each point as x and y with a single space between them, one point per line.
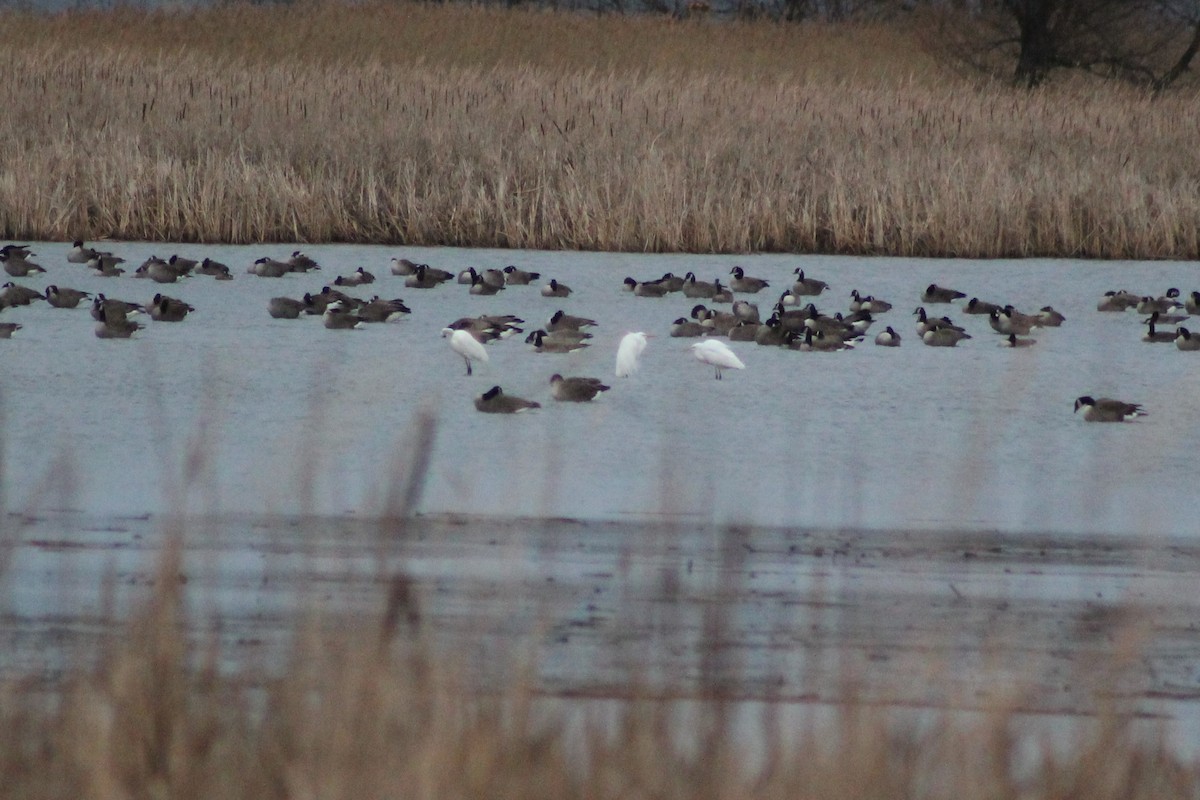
330 123
376 713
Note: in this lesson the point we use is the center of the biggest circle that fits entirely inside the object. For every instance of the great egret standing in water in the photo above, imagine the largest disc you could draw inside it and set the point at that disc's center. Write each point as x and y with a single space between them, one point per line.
716 354
628 353
466 346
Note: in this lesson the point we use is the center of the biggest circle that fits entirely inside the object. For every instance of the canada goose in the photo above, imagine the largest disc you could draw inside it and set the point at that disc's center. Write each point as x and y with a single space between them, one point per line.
483 287
789 298
560 321
542 343
629 353
157 270
1159 318
717 355
925 322
746 312
105 265
817 342
1192 303
269 268
859 321
1009 320
888 338
743 332
943 336
868 303
13 295
817 322
112 323
807 287
562 335
299 262
1049 318
940 294
771 333
359 277
575 390
114 308
684 328
215 269
495 401
80 253
977 306
1185 341
379 310
338 317
1106 409
719 322
422 278
696 289
493 277
488 328
1168 302
514 276
17 250
1155 336
7 329
556 289
19 266
168 309
1012 341
64 298
182 266
673 282
745 285
722 293
285 308
1117 301
403 267
645 289
466 345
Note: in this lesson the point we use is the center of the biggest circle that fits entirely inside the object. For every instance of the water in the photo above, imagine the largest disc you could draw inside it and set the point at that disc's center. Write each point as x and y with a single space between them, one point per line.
284 416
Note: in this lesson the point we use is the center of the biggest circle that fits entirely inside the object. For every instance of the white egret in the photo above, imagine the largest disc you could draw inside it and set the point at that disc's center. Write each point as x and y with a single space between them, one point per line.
628 353
716 354
466 345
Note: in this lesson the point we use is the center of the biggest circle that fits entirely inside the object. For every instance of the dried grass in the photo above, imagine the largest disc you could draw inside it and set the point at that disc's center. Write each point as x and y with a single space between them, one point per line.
478 127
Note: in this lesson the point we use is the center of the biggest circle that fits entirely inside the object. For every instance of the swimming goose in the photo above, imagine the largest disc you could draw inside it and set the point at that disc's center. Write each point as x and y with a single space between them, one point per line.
673 282
379 310
818 342
112 323
466 345
7 329
1117 301
482 287
943 336
560 321
745 285
1168 302
543 343
1106 409
17 250
722 293
888 338
1165 319
771 333
1009 320
466 276
299 262
359 277
1185 341
576 389
105 265
269 268
807 287
717 355
1154 336
102 305
19 266
182 266
868 303
744 332
940 294
746 312
495 401
80 253
1012 341
645 289
215 269
555 289
565 335
13 295
684 328
514 276
338 317
64 298
925 322
168 309
696 289
402 266
977 306
487 328
493 277
1049 318
423 278
285 308
157 270
1192 303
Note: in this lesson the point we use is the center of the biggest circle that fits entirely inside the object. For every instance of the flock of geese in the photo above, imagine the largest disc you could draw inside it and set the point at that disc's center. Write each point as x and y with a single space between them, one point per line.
793 322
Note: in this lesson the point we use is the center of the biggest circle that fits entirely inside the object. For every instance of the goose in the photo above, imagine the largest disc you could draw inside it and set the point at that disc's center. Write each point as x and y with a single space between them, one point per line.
300 262
104 265
563 335
359 277
157 270
684 328
80 253
745 285
1049 318
1117 301
817 342
1012 341
284 308
16 250
487 328
379 310
495 401
977 306
12 294
789 298
696 289
64 297
940 294
484 288
19 266
1192 303
673 282
771 333
168 309
545 344
466 276
514 276
746 312
1168 302
925 323
722 293
943 336
102 305
717 355
7 329
338 317
743 332
561 321
575 390
868 303
629 353
1185 341
719 322
112 323
422 278
214 269
402 266
1009 320
182 266
645 289
556 289
466 345
1105 409
1159 318
269 268
807 287
888 338
1155 336
493 277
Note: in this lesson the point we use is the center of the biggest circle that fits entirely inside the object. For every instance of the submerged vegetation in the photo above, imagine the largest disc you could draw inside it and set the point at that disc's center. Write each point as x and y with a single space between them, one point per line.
515 128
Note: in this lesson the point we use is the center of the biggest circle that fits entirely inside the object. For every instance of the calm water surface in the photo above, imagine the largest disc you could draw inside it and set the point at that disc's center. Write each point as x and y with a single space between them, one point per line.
289 417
